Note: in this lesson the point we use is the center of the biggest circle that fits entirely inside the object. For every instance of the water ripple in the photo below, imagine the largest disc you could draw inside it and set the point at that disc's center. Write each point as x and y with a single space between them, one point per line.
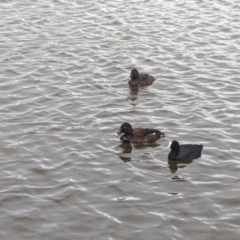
64 94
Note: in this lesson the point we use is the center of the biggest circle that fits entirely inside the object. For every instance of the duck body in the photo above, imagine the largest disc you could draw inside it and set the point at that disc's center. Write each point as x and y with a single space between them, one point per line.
137 79
138 135
184 151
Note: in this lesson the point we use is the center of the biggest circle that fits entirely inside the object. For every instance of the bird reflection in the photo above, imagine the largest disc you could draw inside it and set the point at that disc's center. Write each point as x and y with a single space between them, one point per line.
146 145
126 152
127 148
174 165
133 93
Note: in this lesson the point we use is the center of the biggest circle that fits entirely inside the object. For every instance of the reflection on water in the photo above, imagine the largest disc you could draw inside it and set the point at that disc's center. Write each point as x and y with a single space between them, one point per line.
133 93
146 145
174 165
126 149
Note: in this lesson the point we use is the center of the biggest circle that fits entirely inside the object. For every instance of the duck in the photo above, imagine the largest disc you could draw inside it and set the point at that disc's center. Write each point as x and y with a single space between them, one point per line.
138 135
184 151
141 79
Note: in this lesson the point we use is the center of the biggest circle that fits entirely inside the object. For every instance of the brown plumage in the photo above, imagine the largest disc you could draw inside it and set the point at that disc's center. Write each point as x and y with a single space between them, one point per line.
137 79
138 135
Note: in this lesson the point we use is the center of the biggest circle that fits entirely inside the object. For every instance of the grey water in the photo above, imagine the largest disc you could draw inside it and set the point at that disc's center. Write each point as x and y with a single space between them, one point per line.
63 91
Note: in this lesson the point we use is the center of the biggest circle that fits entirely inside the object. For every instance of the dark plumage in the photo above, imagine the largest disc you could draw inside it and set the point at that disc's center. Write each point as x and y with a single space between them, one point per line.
137 79
138 135
184 151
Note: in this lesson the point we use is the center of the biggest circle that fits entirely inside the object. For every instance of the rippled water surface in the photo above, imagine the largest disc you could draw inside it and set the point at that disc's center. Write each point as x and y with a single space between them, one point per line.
64 94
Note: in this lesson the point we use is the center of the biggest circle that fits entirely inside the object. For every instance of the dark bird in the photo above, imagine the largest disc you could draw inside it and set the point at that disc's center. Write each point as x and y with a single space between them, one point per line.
138 135
184 151
141 79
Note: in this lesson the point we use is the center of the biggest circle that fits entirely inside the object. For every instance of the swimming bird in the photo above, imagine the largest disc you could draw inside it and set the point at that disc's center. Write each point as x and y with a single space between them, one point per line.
184 151
138 135
141 79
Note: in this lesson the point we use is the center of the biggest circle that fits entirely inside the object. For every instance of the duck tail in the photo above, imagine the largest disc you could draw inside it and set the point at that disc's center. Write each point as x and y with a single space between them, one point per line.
161 134
156 132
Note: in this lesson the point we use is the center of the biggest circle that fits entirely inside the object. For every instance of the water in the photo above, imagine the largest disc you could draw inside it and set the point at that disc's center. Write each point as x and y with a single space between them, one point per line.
64 94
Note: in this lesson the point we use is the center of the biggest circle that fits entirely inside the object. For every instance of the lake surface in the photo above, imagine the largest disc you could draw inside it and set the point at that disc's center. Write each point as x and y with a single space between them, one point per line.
64 65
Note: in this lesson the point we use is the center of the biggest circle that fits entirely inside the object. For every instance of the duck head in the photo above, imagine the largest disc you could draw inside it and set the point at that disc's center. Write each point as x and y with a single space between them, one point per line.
125 128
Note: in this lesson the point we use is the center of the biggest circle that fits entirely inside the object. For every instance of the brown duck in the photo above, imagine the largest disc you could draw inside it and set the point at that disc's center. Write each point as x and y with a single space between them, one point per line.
141 79
138 135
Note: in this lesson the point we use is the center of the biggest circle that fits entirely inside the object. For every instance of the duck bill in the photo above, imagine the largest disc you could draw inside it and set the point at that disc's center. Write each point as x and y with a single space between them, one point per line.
119 131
